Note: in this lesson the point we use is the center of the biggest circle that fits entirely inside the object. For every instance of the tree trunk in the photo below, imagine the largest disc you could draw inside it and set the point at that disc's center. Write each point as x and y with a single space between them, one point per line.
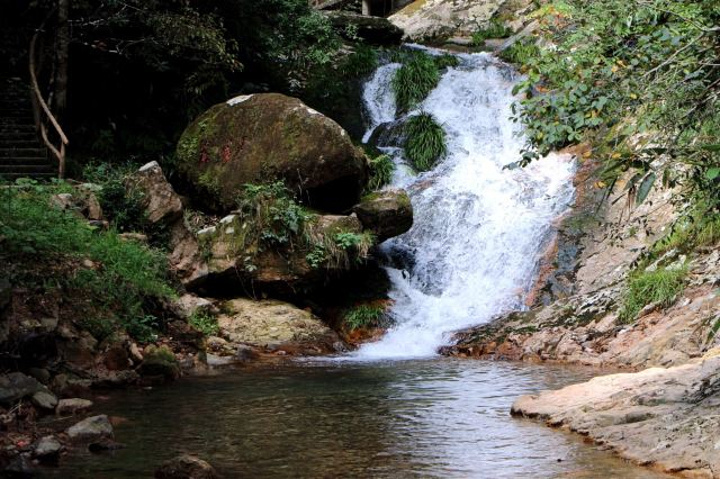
63 47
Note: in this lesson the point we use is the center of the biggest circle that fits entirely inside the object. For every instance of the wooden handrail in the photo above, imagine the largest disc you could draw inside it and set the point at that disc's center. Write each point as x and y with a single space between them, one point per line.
39 100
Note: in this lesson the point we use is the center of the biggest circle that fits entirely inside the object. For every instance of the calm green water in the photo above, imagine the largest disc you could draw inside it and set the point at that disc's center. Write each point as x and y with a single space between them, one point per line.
435 418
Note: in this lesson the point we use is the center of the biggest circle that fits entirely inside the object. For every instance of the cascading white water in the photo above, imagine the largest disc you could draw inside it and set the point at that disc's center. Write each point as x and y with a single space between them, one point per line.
479 229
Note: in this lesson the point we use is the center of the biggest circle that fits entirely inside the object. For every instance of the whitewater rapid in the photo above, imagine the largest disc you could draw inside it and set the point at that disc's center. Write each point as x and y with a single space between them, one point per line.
479 228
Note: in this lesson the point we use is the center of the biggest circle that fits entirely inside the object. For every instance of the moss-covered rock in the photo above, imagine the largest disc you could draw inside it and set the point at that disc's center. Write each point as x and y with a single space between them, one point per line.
328 246
265 137
386 213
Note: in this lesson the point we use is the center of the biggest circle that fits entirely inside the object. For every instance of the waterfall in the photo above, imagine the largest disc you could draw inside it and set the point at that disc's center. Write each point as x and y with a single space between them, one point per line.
479 228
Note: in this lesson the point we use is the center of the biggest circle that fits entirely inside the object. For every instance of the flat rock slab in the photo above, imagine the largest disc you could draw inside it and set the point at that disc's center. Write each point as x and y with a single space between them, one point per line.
664 418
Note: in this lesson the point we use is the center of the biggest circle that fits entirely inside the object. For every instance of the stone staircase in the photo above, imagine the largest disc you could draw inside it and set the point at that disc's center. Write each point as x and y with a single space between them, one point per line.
22 153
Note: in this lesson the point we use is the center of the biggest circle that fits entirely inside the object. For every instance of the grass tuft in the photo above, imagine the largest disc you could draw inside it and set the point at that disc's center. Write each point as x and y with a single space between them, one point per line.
381 172
662 286
415 80
425 141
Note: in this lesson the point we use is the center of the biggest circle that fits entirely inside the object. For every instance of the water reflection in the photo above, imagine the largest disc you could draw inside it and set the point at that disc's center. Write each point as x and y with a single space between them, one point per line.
440 418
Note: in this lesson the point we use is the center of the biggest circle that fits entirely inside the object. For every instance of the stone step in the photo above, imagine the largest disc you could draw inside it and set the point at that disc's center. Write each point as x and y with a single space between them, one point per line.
6 170
39 161
22 153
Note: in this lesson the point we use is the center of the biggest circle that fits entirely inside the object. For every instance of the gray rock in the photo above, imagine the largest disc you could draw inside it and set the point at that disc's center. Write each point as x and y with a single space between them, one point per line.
91 429
44 400
73 406
15 386
373 30
47 449
185 466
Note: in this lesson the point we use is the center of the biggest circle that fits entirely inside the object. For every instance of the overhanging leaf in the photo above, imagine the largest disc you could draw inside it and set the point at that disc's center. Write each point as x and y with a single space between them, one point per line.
645 187
712 173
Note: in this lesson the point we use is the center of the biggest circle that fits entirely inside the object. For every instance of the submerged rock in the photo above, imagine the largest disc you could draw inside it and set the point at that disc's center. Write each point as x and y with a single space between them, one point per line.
275 325
44 400
266 137
386 213
186 466
160 362
91 429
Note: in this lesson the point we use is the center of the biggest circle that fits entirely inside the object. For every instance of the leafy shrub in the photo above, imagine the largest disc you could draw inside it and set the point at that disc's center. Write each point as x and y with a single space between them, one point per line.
662 286
363 316
204 322
609 71
415 80
496 29
425 141
272 216
126 276
382 168
121 206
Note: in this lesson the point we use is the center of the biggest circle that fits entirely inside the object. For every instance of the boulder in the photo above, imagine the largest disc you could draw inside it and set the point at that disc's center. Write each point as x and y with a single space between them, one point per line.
160 362
373 30
73 406
188 304
301 266
44 400
15 386
185 466
438 19
158 198
91 429
47 449
386 213
186 258
275 325
267 137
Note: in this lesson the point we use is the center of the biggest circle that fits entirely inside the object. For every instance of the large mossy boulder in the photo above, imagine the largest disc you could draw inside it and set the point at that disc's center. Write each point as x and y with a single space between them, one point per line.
266 137
386 213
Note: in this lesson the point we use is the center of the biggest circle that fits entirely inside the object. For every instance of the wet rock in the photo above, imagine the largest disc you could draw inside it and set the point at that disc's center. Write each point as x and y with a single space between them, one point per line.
15 386
386 214
73 406
91 429
373 30
186 467
275 325
160 362
48 449
158 198
264 137
44 400
105 445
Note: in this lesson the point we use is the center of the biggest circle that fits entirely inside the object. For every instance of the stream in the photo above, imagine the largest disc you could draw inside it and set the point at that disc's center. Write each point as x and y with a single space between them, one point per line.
394 409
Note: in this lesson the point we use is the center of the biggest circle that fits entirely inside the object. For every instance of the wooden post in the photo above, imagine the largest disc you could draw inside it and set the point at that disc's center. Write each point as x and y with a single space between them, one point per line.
366 7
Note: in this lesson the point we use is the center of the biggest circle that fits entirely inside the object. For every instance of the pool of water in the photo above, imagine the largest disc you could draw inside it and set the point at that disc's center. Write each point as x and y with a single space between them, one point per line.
434 418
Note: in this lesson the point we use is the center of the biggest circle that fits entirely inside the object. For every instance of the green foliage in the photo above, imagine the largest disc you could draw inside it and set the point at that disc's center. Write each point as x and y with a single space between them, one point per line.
611 71
415 80
122 206
272 216
699 228
32 228
204 322
425 141
446 61
339 250
363 316
382 168
662 287
495 29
